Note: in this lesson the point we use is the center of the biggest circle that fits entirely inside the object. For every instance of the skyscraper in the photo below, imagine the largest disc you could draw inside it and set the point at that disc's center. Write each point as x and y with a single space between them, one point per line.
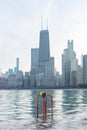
49 69
16 68
85 69
17 64
44 50
69 65
44 47
41 62
34 58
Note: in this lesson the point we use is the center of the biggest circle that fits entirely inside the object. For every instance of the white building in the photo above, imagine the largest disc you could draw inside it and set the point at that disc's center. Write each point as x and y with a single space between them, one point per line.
69 65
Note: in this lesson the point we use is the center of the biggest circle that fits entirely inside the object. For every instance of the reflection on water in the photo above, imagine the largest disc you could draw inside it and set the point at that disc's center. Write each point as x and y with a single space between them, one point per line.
18 110
70 100
84 97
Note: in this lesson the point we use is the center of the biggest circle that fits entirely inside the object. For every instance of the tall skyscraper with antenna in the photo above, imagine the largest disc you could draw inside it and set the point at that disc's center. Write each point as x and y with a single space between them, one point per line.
44 48
45 67
44 44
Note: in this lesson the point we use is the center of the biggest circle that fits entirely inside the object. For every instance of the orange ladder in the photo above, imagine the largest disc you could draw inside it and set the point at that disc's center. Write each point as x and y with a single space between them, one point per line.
44 104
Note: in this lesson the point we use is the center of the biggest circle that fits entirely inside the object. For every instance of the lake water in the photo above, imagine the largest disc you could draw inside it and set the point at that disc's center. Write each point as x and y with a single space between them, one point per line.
18 110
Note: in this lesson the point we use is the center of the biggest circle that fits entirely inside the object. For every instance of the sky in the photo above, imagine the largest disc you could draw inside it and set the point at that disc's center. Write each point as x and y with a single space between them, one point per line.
20 25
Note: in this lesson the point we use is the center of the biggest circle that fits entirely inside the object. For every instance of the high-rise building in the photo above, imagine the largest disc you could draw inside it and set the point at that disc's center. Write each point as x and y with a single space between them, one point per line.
34 58
85 69
73 74
42 65
80 75
0 73
44 47
17 64
10 71
44 50
49 69
16 68
69 65
33 78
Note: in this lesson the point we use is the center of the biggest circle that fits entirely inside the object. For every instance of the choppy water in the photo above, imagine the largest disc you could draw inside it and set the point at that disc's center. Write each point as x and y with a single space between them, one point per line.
18 110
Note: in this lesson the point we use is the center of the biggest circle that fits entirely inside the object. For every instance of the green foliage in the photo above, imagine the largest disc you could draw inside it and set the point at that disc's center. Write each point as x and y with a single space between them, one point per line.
43 94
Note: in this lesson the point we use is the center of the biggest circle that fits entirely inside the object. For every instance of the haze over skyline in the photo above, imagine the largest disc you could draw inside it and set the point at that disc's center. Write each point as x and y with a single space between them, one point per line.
20 25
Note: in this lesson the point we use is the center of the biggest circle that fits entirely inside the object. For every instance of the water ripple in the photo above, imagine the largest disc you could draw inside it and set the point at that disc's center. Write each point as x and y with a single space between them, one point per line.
18 110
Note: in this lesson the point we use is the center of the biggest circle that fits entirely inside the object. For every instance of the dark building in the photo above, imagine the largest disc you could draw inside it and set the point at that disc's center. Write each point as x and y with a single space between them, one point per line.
67 73
44 49
17 64
33 78
34 58
85 69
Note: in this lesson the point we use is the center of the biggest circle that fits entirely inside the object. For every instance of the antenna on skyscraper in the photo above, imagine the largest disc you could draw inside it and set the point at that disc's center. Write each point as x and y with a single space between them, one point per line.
47 23
41 23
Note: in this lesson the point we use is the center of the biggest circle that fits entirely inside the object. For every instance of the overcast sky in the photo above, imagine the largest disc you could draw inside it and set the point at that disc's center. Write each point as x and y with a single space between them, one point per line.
20 24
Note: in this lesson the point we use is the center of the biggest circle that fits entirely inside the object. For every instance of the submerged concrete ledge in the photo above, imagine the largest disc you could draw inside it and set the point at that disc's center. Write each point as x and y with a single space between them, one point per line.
81 86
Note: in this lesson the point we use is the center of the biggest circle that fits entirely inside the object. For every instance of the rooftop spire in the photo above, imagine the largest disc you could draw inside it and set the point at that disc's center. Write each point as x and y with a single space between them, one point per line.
41 23
47 23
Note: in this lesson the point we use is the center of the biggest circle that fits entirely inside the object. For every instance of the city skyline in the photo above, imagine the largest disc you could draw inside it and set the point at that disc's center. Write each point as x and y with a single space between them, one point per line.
20 26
